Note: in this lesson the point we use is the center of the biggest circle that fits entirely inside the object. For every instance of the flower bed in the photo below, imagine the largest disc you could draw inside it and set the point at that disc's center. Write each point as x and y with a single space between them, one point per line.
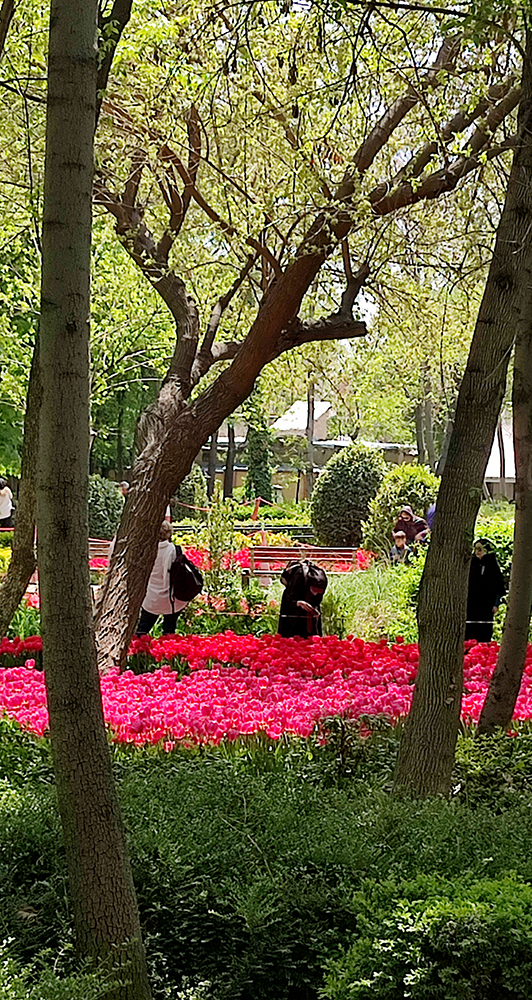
240 685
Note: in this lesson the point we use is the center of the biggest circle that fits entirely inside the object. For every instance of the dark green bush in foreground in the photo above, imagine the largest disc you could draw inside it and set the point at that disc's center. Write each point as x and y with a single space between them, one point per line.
258 867
439 939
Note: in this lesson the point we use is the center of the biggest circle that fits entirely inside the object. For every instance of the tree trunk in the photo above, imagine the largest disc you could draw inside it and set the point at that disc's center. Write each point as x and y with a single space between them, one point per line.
23 562
230 462
103 898
211 471
420 439
167 459
506 681
310 440
426 752
428 414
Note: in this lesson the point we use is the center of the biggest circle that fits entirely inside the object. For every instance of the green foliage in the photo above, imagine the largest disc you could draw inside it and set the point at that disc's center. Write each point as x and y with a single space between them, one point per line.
342 494
41 982
259 476
415 485
303 858
105 507
374 603
500 532
193 492
434 938
6 539
26 621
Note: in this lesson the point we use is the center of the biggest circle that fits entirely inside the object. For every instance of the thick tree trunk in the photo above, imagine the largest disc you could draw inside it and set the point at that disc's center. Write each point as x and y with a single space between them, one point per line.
23 562
103 898
230 462
506 681
426 752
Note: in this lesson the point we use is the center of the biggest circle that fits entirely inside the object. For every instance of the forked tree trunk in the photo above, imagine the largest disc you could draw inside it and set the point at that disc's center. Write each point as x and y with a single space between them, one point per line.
506 681
23 562
167 459
427 747
103 898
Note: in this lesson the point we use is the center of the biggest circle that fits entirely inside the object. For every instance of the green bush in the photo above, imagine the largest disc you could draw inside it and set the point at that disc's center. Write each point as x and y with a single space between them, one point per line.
415 485
105 507
193 492
342 494
6 539
440 940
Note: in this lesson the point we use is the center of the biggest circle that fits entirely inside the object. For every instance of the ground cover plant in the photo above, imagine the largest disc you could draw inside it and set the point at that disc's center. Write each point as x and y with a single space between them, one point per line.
264 870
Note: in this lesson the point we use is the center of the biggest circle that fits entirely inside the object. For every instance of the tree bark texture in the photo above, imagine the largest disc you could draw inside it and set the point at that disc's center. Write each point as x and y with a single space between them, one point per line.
229 474
103 898
506 681
23 562
426 752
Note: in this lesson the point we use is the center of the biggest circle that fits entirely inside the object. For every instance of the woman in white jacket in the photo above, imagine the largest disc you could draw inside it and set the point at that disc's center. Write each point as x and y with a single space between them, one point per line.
6 505
157 600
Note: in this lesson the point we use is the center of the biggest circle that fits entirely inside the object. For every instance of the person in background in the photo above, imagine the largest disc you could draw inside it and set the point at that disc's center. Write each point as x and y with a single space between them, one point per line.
300 612
157 599
400 552
430 515
6 505
485 590
124 487
415 528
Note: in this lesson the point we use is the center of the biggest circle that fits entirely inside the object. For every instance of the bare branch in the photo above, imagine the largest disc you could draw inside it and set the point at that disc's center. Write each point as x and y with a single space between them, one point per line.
262 249
168 155
6 15
438 182
111 29
459 123
138 162
335 327
379 135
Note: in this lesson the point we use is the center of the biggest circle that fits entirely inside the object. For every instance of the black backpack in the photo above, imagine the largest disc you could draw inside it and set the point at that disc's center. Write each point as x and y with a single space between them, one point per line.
186 581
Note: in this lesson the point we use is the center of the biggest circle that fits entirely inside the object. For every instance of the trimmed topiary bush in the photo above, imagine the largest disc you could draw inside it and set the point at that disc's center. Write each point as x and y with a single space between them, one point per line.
342 494
193 492
415 485
105 507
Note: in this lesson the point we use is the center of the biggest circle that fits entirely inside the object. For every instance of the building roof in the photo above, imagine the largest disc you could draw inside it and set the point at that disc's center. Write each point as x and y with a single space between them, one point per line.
295 419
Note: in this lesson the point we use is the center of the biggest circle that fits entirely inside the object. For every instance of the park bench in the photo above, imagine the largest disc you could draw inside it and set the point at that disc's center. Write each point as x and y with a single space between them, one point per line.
270 560
98 548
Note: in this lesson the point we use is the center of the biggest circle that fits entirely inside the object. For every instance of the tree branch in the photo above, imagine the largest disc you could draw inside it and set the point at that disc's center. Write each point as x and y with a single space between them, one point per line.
6 15
380 134
111 29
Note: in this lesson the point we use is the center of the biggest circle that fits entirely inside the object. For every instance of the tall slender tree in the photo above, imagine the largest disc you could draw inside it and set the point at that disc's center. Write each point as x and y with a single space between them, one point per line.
426 752
104 905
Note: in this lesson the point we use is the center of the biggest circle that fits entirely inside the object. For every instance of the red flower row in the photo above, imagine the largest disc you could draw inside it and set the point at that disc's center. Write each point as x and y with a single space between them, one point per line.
243 684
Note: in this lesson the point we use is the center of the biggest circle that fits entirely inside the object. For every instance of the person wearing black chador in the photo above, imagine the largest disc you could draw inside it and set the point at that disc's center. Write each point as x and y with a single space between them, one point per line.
300 613
485 590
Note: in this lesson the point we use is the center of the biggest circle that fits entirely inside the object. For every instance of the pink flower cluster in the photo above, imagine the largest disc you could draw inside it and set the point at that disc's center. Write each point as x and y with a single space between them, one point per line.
240 685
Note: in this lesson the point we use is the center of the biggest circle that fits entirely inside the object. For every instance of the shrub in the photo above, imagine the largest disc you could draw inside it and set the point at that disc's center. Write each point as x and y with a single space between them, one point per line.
415 485
342 494
105 507
193 492
442 940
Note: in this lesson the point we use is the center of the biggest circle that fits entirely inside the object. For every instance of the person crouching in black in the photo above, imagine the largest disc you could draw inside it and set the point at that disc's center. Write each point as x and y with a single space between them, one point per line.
300 613
485 590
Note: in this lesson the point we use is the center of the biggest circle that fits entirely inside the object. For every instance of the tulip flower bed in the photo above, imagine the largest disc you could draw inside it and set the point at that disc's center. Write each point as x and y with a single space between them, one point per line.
240 685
